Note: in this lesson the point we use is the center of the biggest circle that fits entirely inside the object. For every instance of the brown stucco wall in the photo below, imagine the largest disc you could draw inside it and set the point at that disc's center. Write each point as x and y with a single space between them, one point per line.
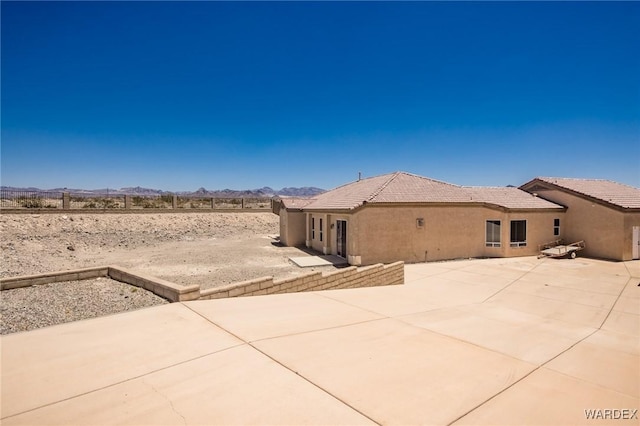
329 232
449 232
630 220
292 228
607 232
390 233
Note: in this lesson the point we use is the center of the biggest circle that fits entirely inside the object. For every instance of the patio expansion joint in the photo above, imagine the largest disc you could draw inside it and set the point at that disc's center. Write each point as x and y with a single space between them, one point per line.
615 302
522 378
543 365
524 274
383 316
315 385
626 266
408 314
351 305
580 379
442 308
140 376
566 301
573 287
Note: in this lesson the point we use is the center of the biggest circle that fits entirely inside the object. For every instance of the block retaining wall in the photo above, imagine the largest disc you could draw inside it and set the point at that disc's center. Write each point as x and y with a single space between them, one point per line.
351 277
168 290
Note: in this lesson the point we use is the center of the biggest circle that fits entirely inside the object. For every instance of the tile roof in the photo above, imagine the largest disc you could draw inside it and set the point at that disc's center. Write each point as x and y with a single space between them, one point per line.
402 187
295 202
608 191
509 197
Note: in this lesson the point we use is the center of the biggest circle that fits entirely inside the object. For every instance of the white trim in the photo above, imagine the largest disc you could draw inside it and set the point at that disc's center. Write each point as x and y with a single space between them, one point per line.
495 244
515 244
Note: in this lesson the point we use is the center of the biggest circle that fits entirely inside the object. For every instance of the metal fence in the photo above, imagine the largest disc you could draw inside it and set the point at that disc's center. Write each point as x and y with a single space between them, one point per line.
29 200
100 202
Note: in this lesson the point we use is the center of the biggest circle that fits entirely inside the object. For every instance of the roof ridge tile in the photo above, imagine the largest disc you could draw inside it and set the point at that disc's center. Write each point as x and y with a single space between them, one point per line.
383 186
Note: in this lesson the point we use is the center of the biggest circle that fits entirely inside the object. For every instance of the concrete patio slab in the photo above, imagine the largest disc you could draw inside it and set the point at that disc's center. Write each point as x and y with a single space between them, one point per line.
609 368
52 364
549 398
629 305
633 268
564 294
438 291
616 341
632 289
413 274
280 314
234 386
578 281
398 373
622 322
388 301
611 287
482 275
512 333
451 346
588 316
323 260
509 270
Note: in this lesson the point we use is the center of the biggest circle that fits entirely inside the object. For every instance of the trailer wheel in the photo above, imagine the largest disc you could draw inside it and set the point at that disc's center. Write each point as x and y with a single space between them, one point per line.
573 255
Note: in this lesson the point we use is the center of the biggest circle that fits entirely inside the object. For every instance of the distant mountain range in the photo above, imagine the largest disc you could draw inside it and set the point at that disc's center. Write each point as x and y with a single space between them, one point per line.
201 192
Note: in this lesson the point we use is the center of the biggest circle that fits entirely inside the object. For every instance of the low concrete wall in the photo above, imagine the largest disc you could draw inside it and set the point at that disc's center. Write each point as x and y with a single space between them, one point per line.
53 277
351 277
168 290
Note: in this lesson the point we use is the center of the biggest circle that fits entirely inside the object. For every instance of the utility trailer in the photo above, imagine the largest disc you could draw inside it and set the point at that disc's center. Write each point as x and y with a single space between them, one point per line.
558 249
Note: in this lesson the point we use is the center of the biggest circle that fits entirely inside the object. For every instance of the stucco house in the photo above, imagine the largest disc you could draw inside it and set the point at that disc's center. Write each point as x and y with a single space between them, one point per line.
605 214
402 216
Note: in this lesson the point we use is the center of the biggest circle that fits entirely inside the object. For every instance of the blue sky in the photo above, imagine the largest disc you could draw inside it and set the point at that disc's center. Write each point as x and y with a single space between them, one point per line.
178 96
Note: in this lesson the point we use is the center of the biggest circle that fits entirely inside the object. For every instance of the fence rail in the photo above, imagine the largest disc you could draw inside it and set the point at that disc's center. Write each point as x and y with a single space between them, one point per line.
29 200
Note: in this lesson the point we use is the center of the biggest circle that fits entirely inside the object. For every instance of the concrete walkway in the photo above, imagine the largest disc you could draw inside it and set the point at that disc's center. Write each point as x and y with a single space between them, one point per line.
479 342
321 260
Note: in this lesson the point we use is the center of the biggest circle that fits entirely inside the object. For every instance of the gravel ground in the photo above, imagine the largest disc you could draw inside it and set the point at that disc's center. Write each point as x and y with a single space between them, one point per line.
28 308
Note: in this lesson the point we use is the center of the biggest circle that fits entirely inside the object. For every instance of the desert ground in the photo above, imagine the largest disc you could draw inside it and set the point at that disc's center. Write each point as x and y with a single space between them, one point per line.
209 249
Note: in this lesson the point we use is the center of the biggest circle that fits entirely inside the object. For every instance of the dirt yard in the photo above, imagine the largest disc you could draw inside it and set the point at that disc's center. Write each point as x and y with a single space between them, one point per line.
209 249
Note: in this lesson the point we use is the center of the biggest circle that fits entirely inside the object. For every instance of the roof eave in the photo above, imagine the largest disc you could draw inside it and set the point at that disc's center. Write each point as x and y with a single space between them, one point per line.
440 204
590 198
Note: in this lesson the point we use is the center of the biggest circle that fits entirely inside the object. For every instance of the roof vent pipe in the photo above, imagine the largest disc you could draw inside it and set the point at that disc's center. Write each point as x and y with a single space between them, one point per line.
359 176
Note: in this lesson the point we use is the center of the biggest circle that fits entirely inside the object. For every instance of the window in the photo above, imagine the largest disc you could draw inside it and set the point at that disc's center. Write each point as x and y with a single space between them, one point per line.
518 233
320 229
556 226
313 228
493 233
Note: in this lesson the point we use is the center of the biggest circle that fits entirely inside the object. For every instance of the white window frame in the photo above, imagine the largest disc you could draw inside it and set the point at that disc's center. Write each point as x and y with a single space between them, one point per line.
516 244
493 243
313 228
